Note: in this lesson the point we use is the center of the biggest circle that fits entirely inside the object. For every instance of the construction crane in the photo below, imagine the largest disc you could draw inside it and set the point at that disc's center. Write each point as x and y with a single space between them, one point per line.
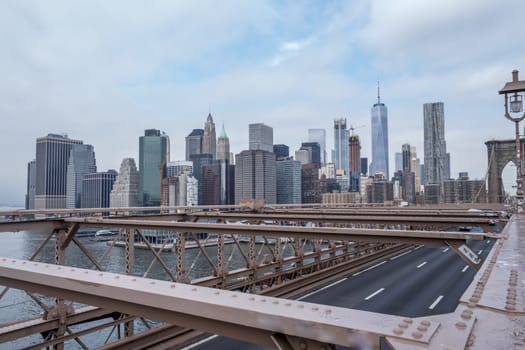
352 128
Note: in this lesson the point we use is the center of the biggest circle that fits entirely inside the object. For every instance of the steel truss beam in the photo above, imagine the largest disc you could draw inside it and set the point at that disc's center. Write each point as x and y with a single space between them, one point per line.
242 316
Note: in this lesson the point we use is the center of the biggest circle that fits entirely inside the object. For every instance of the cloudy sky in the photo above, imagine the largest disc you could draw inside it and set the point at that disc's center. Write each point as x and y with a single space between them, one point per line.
103 71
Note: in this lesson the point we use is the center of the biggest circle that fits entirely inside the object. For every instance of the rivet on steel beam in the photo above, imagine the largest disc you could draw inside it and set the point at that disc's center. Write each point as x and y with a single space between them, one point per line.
234 295
86 272
417 335
422 328
289 304
398 331
425 323
263 300
461 325
117 277
251 299
509 307
300 306
328 311
72 270
408 320
13 261
133 280
194 289
100 274
152 282
275 302
403 325
217 293
23 262
172 285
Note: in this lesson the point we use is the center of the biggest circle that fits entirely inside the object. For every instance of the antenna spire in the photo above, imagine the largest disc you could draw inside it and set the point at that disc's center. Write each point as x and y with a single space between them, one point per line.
378 95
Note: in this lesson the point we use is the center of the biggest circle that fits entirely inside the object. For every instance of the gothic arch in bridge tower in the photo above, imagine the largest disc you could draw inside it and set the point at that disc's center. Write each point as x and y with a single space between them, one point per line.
500 153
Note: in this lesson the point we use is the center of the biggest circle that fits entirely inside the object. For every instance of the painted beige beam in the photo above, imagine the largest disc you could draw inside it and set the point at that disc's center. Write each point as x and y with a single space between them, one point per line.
242 316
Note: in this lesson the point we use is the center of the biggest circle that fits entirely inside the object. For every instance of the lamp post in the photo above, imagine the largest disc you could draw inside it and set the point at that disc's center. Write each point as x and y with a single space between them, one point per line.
514 113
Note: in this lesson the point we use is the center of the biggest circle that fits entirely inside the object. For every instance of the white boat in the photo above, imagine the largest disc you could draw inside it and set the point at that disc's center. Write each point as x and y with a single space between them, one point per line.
104 235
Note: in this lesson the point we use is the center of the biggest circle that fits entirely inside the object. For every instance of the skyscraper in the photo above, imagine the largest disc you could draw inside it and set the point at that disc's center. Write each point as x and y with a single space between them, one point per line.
255 176
314 151
125 192
281 151
153 157
409 176
379 138
31 184
96 189
209 141
310 185
261 137
319 136
289 181
194 143
355 163
52 155
223 146
81 161
341 135
436 162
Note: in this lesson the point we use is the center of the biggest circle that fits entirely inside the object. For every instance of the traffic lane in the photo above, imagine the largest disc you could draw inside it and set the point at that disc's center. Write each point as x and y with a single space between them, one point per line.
343 297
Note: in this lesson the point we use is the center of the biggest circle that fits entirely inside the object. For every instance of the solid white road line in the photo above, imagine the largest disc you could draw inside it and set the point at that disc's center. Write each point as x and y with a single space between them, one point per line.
321 289
465 268
419 246
422 264
445 250
205 340
431 307
370 268
374 294
400 255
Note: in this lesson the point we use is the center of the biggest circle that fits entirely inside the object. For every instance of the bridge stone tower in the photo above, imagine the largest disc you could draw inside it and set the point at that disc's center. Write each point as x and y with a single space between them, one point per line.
500 153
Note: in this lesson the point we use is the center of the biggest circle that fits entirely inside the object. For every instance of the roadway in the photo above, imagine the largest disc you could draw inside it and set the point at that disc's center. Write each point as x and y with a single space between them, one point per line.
420 282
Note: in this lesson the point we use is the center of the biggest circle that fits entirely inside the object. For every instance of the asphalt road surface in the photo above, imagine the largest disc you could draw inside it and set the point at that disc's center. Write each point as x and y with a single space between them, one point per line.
420 282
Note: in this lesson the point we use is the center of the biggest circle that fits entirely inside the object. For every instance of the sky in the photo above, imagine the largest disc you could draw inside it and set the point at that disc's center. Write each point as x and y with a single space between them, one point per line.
104 71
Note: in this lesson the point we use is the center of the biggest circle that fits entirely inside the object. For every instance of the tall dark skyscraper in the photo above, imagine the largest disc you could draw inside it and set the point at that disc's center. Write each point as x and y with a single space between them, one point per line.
52 155
379 138
281 151
314 151
96 189
209 140
194 143
437 162
255 176
153 157
319 136
288 181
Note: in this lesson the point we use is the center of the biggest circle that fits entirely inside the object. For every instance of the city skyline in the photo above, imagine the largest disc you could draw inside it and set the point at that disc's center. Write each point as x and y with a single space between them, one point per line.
252 63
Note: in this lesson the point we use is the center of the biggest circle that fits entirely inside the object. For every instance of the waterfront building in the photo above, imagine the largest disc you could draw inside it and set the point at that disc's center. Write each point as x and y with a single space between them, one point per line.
288 173
255 176
52 155
209 140
260 137
177 167
31 185
310 190
341 136
354 163
194 143
379 138
125 192
314 152
380 192
96 189
153 157
319 136
81 161
281 151
432 193
464 190
181 190
223 146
